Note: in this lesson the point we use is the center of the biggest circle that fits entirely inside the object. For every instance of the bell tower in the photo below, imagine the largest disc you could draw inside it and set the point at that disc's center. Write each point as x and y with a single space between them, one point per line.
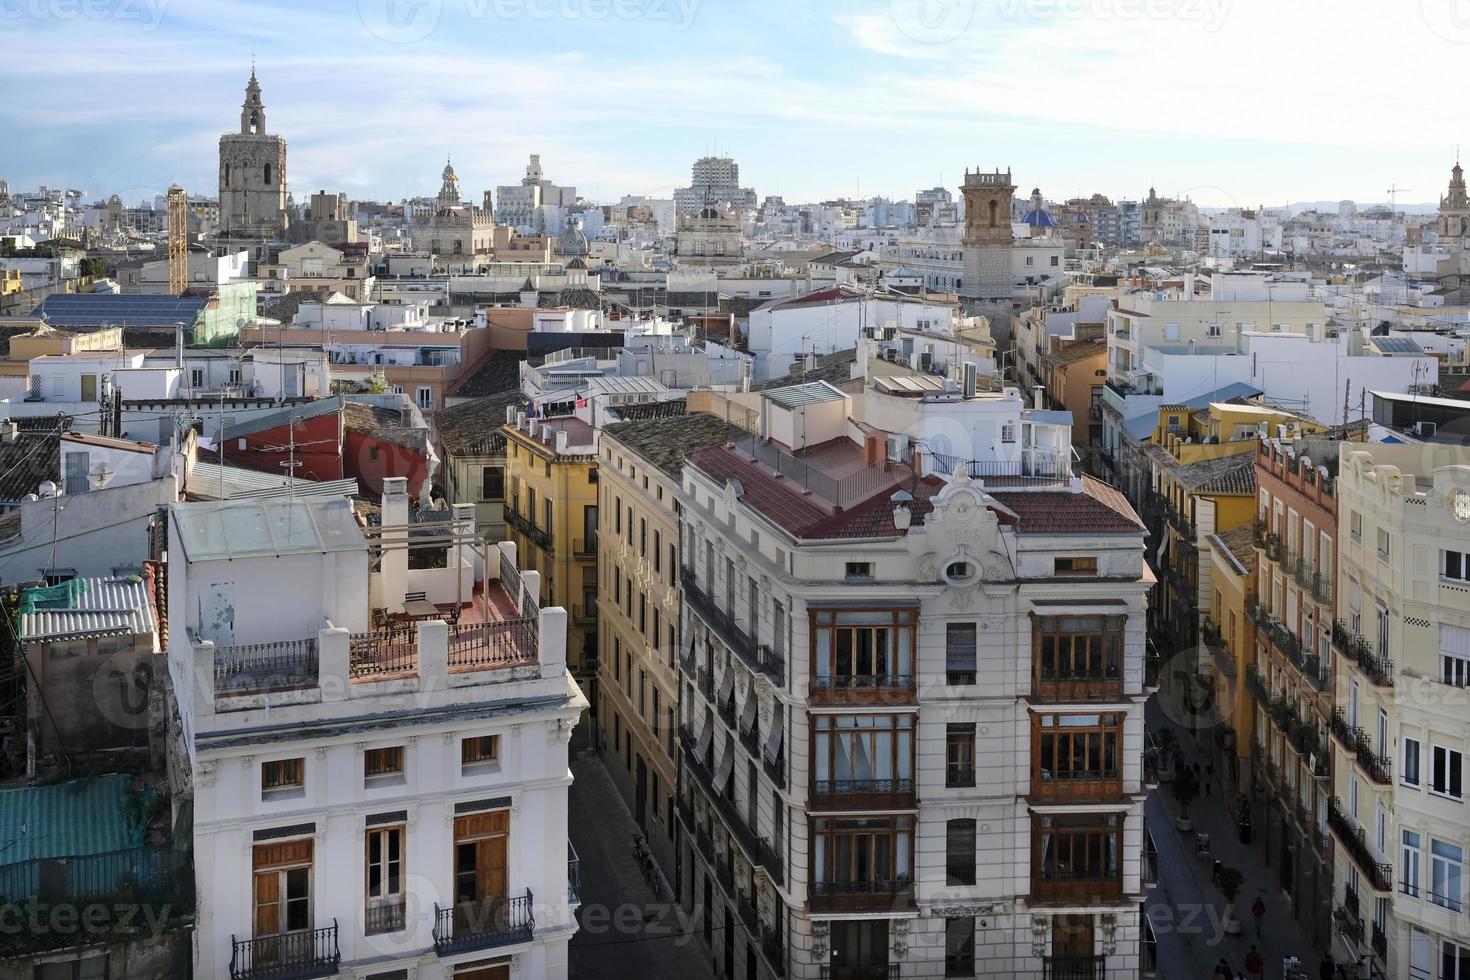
988 238
1454 209
252 175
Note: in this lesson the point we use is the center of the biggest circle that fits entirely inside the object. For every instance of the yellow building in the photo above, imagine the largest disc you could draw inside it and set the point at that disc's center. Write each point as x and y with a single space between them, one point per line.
1201 482
1228 634
1074 375
551 477
637 694
10 282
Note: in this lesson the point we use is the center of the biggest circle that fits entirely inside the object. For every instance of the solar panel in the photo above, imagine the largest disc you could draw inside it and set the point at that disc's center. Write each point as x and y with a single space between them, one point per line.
116 309
1397 345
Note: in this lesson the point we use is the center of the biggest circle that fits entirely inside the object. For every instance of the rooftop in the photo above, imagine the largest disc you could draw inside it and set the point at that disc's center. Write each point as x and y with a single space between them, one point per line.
1238 545
96 815
811 393
1234 474
87 607
666 442
473 427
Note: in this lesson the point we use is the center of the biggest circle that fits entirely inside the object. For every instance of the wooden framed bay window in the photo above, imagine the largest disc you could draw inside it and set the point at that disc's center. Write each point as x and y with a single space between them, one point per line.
862 650
1076 857
869 756
1076 756
1077 658
861 862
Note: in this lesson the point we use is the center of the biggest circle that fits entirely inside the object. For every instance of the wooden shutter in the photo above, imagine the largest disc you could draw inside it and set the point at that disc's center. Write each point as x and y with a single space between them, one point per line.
267 903
490 868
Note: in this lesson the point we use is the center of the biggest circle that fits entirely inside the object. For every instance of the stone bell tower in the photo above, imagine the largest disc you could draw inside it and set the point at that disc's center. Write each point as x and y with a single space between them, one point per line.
1454 209
988 238
252 175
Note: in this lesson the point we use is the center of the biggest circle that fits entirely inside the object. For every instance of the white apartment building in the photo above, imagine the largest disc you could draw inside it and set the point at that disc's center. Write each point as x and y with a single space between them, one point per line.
1400 733
376 792
885 674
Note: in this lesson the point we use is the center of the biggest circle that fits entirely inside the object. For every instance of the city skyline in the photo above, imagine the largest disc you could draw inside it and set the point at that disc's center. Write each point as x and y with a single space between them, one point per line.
953 84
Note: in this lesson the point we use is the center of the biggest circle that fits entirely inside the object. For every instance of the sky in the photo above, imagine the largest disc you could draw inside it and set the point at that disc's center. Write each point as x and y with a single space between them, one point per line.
1228 102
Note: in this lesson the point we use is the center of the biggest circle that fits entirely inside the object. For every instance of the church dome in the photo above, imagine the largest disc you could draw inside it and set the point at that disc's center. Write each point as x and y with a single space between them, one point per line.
1040 218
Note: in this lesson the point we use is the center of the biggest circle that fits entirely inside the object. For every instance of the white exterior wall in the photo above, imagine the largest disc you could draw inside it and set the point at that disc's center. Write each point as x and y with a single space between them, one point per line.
904 572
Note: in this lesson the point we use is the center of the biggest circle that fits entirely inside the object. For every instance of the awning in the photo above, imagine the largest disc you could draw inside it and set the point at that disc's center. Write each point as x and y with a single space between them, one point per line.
688 643
727 684
747 711
706 736
773 742
723 771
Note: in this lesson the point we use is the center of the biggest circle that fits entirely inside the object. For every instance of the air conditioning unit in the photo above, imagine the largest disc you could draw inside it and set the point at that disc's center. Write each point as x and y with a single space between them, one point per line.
890 354
1426 430
926 360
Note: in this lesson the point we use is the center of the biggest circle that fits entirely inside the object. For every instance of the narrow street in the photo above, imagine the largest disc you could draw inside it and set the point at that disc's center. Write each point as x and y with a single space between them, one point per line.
625 932
1186 908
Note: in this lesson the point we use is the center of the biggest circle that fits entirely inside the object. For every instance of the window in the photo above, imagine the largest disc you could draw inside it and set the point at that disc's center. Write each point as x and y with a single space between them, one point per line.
1383 544
282 776
1073 650
959 940
387 761
959 852
1455 566
1075 566
423 396
1454 961
872 854
1446 861
859 569
858 649
959 653
481 750
863 754
196 377
1076 851
1454 670
1078 747
282 887
1355 525
1409 774
1445 771
383 860
959 755
1008 432
1409 863
492 483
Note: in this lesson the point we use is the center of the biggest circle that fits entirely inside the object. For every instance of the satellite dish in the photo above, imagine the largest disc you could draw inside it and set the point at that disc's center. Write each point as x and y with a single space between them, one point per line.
100 476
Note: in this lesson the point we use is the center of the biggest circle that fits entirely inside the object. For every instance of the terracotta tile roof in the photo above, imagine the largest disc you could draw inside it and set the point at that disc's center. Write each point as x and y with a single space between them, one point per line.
473 427
1097 509
499 372
773 497
665 442
1238 543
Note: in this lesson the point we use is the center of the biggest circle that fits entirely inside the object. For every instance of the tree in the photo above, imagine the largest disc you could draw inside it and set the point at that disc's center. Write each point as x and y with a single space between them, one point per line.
1230 880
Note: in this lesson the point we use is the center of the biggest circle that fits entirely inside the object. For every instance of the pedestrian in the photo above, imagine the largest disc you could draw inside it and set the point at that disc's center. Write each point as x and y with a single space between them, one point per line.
1259 911
1209 776
1215 871
1255 965
1222 970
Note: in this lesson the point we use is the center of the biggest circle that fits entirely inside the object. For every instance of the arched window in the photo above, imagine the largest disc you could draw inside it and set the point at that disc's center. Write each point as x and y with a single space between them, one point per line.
994 208
268 175
227 175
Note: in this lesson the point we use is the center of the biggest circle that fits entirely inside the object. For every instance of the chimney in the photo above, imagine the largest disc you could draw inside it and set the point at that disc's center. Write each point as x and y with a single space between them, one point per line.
10 431
394 564
1038 398
510 415
811 362
562 441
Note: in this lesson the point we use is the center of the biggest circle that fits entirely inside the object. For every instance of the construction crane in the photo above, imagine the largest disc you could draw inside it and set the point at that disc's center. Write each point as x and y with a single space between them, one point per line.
178 240
1393 196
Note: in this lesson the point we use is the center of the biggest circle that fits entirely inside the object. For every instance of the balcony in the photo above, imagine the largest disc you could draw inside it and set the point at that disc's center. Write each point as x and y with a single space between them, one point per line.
862 688
255 668
584 547
469 926
1379 941
774 950
1076 787
574 875
1346 734
1074 967
1356 647
1322 588
730 817
1072 888
292 956
1378 767
1255 682
776 768
834 971
1354 840
862 794
875 895
383 918
529 530
760 658
1345 918
1077 688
